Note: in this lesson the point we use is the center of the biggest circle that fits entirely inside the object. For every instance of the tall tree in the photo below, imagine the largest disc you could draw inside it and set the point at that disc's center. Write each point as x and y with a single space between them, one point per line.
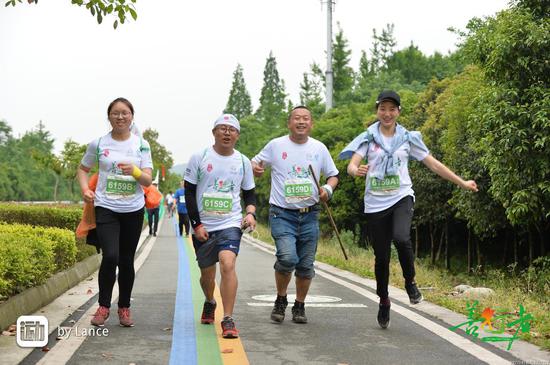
239 103
383 45
311 92
272 99
343 73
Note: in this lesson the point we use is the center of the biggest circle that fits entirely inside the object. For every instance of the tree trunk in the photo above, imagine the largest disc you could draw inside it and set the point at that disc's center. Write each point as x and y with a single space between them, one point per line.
541 241
432 243
469 251
505 249
530 238
447 248
515 250
440 244
55 188
478 252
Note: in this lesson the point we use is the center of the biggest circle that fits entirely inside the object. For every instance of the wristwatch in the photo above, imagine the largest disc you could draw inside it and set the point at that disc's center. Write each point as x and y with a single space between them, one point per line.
252 214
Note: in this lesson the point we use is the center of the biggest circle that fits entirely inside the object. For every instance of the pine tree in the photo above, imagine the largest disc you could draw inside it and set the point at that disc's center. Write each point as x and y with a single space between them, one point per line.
311 91
343 73
239 103
272 99
382 48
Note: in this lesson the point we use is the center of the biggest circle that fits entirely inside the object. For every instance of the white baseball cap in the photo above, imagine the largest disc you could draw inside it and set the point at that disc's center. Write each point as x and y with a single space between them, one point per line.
228 119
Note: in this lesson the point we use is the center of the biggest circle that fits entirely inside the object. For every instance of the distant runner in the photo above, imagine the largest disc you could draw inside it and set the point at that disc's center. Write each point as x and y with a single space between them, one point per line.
183 217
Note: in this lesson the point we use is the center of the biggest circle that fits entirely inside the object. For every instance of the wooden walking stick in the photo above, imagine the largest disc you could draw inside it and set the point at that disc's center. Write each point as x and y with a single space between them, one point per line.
329 213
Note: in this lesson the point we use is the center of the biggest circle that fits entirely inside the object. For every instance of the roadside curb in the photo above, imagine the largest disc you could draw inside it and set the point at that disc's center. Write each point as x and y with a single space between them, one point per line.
32 299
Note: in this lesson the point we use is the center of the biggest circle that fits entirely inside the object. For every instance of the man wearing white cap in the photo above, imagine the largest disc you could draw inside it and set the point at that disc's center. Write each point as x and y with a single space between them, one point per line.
214 179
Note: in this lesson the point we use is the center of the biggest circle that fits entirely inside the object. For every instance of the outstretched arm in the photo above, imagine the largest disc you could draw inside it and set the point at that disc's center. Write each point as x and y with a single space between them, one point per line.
433 164
355 168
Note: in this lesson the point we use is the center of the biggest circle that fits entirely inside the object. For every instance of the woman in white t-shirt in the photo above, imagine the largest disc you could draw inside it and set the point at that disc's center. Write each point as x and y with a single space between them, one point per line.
125 164
389 197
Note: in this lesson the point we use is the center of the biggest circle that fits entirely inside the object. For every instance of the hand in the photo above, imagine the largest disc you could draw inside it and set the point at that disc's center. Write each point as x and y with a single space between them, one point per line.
362 171
323 195
127 168
88 196
249 221
470 185
258 168
201 234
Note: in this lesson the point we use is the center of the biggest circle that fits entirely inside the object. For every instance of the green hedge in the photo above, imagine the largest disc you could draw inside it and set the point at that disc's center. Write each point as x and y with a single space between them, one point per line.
29 255
66 217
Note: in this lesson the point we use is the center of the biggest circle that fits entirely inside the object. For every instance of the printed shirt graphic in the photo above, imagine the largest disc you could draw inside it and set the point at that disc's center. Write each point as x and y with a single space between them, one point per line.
219 181
290 174
117 192
396 187
179 197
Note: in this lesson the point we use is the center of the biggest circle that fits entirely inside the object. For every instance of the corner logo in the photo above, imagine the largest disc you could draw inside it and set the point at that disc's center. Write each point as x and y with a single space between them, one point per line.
209 167
285 155
32 331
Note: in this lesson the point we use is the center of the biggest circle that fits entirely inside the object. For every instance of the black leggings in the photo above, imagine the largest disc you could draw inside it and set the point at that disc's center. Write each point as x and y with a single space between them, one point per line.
153 219
183 220
390 224
118 235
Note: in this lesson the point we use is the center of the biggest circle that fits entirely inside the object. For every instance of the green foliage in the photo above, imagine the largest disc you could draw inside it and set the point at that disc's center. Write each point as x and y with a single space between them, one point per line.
272 99
29 255
239 103
120 9
311 89
41 215
161 158
343 73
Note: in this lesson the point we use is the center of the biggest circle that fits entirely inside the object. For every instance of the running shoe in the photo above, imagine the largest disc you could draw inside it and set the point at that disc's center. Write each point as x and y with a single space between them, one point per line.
228 328
124 317
100 316
299 313
415 296
279 308
208 311
384 315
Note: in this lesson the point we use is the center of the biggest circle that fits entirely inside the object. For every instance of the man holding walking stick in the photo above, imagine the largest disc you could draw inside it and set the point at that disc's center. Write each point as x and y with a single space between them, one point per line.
294 208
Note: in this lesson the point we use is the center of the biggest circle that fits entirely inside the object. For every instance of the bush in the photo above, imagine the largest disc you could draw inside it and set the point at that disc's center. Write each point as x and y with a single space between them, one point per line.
29 255
66 217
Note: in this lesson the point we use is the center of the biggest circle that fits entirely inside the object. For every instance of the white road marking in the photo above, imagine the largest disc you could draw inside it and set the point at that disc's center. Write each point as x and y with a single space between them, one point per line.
291 297
316 305
455 339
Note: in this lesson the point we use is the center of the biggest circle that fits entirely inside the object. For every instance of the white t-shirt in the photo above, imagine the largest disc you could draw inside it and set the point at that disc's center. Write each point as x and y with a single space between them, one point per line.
169 199
292 187
378 200
219 181
115 191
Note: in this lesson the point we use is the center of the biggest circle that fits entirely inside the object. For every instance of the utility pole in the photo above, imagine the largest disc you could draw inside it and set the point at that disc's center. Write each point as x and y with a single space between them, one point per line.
328 74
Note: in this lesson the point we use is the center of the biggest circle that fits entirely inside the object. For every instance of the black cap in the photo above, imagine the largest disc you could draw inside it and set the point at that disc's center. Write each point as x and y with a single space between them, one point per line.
388 95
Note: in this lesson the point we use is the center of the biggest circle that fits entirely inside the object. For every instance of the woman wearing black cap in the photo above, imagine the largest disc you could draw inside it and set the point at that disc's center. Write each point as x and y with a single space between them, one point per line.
389 197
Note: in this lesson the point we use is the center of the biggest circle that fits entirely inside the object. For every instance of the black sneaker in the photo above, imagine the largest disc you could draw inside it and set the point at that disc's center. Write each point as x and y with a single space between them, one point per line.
278 312
299 313
208 310
415 296
384 315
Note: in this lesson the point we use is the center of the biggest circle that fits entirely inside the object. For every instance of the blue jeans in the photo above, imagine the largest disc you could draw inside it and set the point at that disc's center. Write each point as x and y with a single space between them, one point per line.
225 239
296 235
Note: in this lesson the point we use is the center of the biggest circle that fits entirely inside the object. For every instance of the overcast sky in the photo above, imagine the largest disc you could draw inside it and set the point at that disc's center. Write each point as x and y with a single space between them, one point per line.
175 63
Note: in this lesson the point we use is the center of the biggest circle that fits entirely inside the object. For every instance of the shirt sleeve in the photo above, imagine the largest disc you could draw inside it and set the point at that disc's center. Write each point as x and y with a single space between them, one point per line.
146 159
192 170
265 154
90 157
248 176
362 150
419 151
